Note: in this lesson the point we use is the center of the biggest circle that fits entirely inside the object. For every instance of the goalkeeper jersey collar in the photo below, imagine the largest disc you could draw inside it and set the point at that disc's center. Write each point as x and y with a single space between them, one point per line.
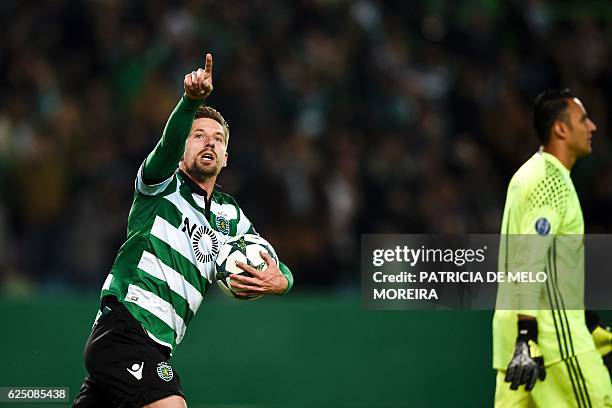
551 158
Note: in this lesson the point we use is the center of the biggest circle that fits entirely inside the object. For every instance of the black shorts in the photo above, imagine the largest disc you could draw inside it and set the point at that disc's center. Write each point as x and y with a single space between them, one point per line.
126 367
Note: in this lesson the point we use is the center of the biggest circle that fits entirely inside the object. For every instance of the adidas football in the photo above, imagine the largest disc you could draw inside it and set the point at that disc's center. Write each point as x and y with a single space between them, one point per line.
242 248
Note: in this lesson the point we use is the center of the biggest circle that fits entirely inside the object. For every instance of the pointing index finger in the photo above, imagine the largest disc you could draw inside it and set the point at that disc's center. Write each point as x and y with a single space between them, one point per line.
209 64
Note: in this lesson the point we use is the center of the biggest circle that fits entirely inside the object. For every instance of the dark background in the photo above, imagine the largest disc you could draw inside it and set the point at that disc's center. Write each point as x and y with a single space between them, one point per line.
346 117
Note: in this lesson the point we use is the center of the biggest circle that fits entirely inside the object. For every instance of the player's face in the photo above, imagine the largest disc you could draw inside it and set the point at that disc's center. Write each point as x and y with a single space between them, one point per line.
581 128
205 151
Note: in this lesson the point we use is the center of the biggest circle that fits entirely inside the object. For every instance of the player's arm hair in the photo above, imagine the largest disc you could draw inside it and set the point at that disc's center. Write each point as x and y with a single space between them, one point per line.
162 162
287 272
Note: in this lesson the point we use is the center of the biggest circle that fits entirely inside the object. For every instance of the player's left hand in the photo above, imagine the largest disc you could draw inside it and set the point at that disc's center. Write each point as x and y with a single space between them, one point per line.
602 337
198 84
270 281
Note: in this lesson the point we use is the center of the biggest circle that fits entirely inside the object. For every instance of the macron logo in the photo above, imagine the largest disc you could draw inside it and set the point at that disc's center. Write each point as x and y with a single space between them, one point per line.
136 370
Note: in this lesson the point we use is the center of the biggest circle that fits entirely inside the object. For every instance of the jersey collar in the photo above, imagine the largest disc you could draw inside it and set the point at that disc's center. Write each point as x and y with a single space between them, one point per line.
556 162
193 186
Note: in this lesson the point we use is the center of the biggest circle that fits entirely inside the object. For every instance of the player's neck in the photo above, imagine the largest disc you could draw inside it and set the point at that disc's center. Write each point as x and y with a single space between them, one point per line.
565 156
207 184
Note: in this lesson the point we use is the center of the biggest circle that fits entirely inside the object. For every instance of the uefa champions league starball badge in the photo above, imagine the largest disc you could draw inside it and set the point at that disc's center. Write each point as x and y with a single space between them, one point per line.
542 226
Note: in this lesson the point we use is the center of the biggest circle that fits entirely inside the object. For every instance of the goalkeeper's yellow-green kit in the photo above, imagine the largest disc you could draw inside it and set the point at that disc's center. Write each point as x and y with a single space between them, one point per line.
543 230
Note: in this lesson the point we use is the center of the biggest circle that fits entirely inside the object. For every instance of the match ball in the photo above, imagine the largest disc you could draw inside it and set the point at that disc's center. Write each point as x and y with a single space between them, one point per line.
242 248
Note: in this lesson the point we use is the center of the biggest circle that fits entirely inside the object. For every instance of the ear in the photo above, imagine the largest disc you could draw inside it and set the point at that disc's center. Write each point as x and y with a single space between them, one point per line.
225 161
560 129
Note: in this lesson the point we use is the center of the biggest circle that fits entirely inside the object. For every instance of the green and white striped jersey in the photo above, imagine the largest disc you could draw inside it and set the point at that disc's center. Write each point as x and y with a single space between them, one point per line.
542 230
166 265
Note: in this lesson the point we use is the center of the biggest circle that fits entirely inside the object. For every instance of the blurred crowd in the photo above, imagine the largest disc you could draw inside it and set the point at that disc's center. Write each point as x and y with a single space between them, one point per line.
347 117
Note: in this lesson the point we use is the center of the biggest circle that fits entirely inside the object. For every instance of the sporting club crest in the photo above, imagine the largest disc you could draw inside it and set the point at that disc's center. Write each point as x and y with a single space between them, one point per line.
165 371
222 225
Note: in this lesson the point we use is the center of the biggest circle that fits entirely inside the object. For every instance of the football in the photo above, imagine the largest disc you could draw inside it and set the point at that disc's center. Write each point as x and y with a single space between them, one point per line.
242 248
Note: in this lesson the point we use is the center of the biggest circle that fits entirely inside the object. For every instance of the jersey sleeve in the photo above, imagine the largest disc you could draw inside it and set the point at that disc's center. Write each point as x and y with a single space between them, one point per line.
287 272
245 226
157 170
539 219
150 189
545 205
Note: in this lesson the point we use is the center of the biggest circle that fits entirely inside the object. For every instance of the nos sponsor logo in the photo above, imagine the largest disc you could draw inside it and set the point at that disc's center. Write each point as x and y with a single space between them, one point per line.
203 241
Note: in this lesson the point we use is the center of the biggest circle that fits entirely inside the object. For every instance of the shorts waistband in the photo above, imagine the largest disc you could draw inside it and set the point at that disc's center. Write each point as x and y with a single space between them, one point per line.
111 302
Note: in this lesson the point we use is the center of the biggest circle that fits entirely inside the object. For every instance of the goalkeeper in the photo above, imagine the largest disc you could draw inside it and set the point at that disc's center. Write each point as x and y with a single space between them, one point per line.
543 351
177 223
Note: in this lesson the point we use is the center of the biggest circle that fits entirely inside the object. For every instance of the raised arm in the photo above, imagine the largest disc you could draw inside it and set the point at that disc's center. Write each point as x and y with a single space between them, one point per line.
162 162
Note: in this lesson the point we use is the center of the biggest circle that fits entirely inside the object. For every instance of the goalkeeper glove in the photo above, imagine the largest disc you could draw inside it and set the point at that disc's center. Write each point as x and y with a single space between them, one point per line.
527 364
602 337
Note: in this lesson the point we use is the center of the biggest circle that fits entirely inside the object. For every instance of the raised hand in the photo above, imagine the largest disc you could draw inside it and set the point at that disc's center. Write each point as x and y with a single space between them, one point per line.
198 84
